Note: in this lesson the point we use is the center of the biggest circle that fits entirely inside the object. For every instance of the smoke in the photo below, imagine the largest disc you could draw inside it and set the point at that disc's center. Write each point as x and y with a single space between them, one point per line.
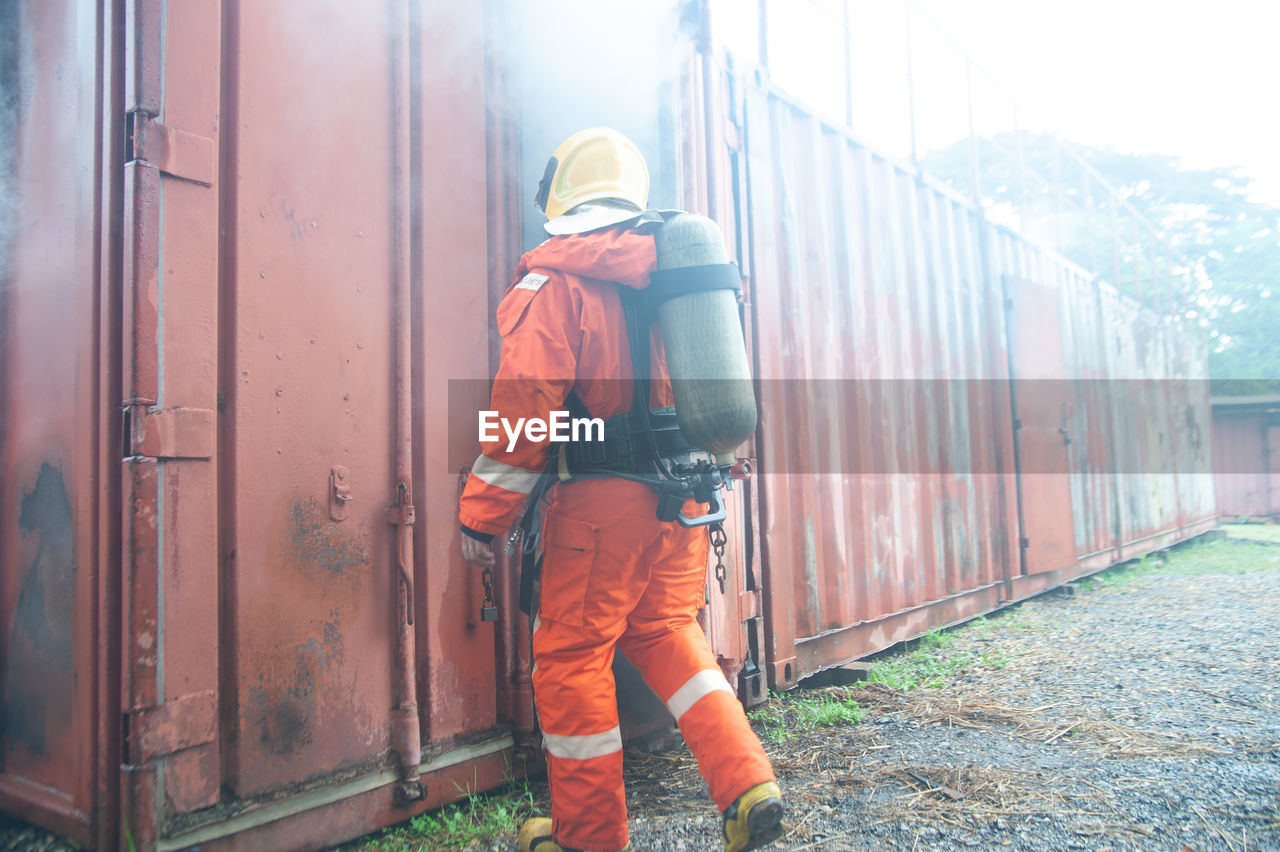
10 45
585 63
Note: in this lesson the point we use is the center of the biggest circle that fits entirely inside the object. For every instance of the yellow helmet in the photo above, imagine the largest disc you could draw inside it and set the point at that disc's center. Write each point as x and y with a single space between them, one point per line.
591 165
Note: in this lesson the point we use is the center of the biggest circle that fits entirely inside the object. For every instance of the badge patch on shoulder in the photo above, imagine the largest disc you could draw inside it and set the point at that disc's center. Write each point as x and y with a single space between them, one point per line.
532 281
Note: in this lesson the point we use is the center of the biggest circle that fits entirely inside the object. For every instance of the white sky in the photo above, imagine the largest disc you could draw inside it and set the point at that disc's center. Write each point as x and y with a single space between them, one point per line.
1198 79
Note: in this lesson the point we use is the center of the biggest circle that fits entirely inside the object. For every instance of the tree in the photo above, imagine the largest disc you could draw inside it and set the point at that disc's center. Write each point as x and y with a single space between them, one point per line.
1223 247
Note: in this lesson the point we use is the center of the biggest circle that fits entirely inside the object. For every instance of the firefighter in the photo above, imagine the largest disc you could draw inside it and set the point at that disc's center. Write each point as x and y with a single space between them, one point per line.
613 575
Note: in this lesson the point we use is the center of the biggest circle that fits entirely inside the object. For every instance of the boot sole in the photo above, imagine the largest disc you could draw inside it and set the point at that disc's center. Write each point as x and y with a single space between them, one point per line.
765 824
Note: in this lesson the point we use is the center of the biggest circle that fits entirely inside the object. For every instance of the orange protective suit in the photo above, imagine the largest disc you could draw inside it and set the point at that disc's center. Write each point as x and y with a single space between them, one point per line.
613 575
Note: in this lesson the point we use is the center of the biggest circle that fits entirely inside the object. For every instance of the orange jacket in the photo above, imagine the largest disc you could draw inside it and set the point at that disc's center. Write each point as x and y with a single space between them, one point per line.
562 329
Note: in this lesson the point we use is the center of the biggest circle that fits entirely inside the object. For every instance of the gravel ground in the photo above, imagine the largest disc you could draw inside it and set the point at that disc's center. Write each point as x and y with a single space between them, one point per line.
1138 711
1134 712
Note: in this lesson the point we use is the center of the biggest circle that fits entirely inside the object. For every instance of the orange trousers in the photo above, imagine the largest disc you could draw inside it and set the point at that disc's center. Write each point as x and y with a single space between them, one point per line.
613 575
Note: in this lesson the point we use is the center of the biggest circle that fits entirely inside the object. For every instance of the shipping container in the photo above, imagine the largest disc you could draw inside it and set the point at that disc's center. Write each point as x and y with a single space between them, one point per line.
251 253
1003 420
1246 457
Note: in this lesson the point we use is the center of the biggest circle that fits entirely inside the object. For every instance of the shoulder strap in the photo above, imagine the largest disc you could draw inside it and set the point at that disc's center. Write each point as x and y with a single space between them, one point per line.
639 317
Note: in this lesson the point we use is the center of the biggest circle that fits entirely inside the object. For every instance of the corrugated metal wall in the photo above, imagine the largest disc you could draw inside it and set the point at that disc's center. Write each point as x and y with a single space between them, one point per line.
1132 397
951 417
1246 458
886 466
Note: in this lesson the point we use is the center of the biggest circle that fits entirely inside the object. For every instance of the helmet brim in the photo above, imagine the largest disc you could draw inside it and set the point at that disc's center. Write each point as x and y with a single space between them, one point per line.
591 216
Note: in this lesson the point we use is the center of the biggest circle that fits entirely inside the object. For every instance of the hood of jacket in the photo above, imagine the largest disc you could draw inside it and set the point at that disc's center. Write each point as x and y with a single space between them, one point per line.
624 255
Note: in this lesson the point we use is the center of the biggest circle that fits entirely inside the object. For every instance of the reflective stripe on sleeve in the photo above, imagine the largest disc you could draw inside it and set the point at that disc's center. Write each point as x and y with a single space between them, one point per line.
583 747
695 688
501 475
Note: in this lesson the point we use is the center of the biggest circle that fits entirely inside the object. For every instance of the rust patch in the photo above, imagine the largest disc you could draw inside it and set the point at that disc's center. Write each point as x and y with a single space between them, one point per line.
38 687
318 541
285 709
299 649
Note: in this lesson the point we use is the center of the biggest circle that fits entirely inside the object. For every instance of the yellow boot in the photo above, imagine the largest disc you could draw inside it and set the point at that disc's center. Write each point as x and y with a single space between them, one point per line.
535 836
754 820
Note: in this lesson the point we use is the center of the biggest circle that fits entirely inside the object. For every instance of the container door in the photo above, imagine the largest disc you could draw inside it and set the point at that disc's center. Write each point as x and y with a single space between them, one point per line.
1273 469
1043 411
308 426
51 485
292 205
735 612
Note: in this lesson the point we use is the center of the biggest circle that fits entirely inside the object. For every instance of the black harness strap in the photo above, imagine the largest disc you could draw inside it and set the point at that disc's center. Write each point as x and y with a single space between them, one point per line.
665 284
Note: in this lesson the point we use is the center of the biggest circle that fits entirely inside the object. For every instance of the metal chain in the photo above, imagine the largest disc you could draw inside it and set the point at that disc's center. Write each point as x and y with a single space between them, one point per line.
718 541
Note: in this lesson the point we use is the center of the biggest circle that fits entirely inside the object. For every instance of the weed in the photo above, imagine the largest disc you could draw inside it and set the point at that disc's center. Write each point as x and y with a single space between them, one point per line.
828 712
926 664
770 717
475 818
930 663
980 628
787 714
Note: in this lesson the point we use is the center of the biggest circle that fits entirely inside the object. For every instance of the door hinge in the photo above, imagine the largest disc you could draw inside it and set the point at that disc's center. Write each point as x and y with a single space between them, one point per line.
171 433
174 152
175 725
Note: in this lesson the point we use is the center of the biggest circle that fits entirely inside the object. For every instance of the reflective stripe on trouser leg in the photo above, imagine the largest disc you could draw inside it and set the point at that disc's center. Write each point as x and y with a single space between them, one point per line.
679 666
574 691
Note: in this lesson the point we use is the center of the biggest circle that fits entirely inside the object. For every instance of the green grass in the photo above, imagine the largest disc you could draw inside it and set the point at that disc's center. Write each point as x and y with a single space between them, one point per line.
788 714
1253 532
931 662
477 818
1197 558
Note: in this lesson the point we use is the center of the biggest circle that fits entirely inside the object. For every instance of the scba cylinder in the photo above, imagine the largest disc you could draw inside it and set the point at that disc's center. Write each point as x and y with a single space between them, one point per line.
702 333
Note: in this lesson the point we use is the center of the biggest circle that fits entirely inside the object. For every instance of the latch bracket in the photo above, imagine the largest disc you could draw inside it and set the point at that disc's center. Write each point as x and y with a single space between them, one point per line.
339 492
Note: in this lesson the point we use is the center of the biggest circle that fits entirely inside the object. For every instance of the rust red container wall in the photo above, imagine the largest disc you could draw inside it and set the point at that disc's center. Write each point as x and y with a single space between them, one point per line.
915 511
1246 458
49 503
312 611
868 289
170 651
309 304
506 203
709 123
457 652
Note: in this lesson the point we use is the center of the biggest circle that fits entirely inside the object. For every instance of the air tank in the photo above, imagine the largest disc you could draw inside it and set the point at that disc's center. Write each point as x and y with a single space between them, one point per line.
702 334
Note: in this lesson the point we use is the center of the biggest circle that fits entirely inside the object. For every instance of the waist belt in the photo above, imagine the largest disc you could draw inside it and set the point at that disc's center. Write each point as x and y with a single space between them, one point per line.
627 446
